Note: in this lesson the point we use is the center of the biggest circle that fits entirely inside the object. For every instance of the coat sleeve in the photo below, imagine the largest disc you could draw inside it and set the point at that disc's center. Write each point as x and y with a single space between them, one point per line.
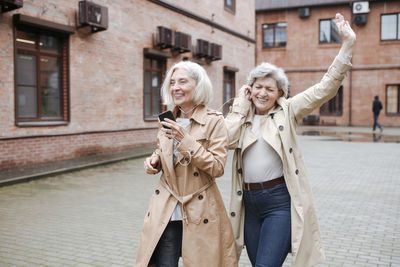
210 159
305 102
157 151
235 119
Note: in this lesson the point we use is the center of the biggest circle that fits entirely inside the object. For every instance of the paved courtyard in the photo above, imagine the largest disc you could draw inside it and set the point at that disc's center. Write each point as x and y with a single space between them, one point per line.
93 217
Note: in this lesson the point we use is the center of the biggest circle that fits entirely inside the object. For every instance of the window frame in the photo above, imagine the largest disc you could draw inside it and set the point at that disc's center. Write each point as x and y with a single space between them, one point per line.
331 110
398 100
330 33
162 74
228 8
274 25
397 25
64 82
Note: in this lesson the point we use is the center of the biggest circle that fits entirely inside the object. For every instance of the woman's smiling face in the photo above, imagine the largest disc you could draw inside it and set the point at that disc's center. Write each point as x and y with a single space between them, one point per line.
264 94
182 88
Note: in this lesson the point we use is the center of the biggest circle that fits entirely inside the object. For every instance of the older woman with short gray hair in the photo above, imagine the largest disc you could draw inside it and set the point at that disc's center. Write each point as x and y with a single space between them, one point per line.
269 70
272 209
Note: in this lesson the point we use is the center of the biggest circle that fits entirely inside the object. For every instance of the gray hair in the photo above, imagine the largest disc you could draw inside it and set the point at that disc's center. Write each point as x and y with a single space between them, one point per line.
203 93
270 70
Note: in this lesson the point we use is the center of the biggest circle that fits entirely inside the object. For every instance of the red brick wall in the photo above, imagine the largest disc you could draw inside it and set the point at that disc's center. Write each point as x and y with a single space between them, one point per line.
21 152
106 72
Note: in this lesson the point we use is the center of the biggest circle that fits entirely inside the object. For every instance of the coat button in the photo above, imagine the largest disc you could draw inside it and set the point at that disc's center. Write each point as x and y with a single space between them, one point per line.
290 150
157 192
233 214
240 171
187 159
200 197
148 214
239 193
205 221
196 174
296 172
281 128
191 152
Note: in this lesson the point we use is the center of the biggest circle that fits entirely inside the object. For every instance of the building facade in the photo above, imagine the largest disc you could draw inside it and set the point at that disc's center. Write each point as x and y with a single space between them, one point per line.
301 37
80 78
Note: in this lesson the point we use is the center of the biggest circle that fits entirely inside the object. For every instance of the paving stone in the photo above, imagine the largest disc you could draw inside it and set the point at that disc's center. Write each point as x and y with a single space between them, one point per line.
93 217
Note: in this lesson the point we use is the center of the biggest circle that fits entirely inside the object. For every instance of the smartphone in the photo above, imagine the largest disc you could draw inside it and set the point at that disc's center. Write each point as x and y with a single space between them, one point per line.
166 115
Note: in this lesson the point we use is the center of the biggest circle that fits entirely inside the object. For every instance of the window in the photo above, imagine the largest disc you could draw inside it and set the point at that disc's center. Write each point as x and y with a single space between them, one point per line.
230 5
333 106
229 90
153 76
274 35
390 27
328 32
393 99
41 67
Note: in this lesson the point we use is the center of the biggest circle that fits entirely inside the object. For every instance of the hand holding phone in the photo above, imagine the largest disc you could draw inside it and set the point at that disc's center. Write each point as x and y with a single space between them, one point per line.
166 115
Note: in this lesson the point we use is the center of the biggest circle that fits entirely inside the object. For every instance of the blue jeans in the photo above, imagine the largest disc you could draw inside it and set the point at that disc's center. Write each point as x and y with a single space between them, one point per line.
267 225
376 123
168 249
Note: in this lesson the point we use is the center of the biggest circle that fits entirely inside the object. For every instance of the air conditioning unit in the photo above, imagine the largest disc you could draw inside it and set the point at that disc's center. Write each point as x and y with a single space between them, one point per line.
202 49
360 19
360 7
8 5
93 15
183 42
165 37
304 12
215 52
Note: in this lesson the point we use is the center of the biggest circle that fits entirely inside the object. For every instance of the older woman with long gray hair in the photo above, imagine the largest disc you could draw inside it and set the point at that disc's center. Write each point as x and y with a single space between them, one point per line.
272 209
186 216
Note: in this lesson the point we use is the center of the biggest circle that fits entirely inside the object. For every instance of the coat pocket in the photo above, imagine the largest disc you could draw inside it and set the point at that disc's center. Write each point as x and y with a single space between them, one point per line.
200 208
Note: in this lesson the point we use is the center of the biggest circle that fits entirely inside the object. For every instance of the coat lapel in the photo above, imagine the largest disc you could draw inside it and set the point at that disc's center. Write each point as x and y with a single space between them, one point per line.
271 131
248 137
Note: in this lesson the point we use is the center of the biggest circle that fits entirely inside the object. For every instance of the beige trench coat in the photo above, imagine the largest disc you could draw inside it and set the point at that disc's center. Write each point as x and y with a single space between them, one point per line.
279 130
207 233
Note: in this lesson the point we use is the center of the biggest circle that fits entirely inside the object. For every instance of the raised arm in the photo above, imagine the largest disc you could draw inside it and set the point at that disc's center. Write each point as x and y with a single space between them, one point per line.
305 102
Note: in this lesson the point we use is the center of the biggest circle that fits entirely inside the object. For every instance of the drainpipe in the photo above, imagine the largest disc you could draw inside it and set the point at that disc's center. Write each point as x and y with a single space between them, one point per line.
351 72
350 89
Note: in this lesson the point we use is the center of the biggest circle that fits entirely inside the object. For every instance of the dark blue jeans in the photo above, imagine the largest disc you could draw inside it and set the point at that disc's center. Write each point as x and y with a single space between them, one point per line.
168 249
267 232
376 123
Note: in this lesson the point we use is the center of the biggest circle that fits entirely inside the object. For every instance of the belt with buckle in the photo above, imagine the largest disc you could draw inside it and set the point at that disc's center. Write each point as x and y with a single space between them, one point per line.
263 185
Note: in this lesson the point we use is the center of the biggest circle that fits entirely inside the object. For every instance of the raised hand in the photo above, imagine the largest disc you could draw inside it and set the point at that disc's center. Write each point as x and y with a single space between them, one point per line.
244 92
347 33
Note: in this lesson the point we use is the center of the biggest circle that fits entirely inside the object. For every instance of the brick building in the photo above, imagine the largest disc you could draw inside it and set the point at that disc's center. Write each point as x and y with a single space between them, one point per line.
300 36
69 90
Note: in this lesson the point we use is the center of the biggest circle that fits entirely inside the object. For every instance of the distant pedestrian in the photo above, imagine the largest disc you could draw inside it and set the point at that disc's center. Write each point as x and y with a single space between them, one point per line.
187 217
376 109
272 208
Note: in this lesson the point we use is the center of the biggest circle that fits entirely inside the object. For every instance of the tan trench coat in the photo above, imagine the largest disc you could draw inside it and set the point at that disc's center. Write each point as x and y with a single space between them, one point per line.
279 130
207 233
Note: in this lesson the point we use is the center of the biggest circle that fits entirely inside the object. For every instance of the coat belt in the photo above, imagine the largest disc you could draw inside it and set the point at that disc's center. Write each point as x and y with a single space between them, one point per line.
185 199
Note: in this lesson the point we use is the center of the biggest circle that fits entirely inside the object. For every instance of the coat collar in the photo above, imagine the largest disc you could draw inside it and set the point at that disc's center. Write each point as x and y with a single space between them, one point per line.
199 115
